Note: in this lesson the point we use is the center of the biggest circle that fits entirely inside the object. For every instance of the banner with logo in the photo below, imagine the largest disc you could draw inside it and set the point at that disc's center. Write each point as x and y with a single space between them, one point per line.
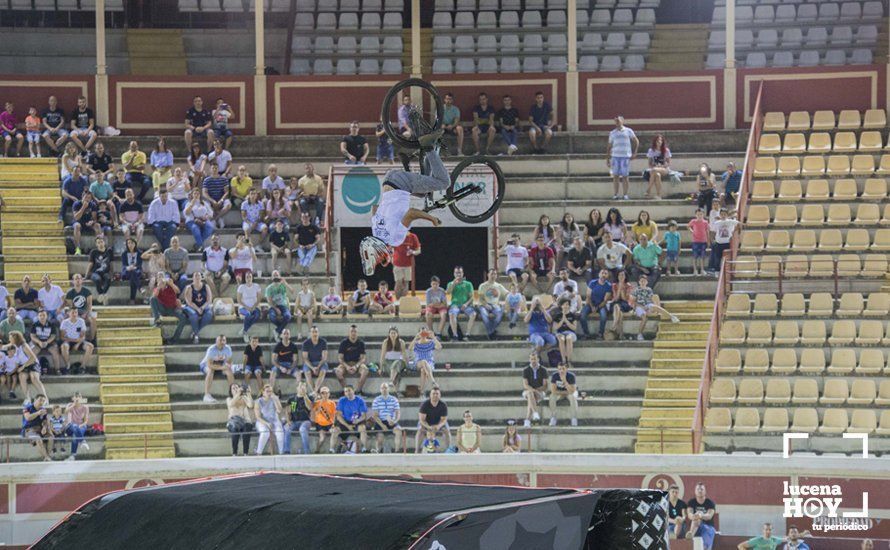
357 190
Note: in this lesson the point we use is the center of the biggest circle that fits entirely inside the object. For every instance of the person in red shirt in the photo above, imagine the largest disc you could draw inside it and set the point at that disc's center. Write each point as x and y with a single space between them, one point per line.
542 263
165 301
403 262
383 301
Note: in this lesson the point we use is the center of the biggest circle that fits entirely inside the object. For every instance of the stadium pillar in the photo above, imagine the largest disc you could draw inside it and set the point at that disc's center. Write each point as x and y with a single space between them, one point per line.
416 70
729 71
572 62
101 98
259 77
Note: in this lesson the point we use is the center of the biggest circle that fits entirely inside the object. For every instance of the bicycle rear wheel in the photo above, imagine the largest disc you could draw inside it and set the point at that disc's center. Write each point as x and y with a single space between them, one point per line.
431 109
476 190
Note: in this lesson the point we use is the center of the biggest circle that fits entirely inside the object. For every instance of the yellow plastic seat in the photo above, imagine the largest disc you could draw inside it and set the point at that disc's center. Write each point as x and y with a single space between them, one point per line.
878 305
770 266
723 391
844 142
812 361
738 305
776 420
839 214
817 190
765 305
804 240
862 165
756 361
718 420
763 191
871 361
796 265
784 361
884 167
875 265
830 240
792 305
747 420
821 266
835 421
843 361
778 241
806 391
835 392
821 305
849 265
773 122
794 143
842 333
745 266
849 120
812 215
769 143
786 215
882 241
729 361
850 305
874 118
885 219
866 214
732 332
857 240
870 142
883 398
778 391
798 120
862 392
862 421
823 120
787 333
875 189
812 333
838 165
752 241
789 167
765 167
758 216
870 332
820 142
790 190
760 333
750 391
845 190
884 428
409 307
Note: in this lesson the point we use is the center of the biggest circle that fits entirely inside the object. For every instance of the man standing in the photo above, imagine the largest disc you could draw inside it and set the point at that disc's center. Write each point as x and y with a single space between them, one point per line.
354 147
483 123
540 123
492 294
163 217
723 230
599 294
461 291
83 125
433 416
732 181
311 195
534 383
198 121
508 119
403 263
54 125
623 145
451 122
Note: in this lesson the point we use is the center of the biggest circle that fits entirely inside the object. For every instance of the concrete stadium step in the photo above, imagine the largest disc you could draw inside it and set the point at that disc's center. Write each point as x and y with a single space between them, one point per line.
681 395
666 327
693 343
131 388
126 418
677 354
128 322
134 378
139 453
128 339
136 407
140 398
129 360
676 383
127 351
140 427
674 448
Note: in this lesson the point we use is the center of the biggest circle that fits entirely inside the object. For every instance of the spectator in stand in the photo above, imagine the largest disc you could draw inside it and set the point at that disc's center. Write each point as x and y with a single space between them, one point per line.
285 357
10 323
198 216
393 356
469 436
131 216
517 262
508 121
253 362
216 192
161 162
352 417
239 404
676 513
165 302
240 186
248 304
615 226
451 122
383 301
177 260
312 194
403 263
766 541
723 229
324 411
34 425
272 181
644 226
198 122
279 245
32 133
646 255
54 132
436 304
217 358
492 295
384 145
267 410
22 358
579 260
222 158
545 229
563 386
593 230
304 306
566 232
103 192
351 356
795 542
402 115
277 296
84 213
534 384
424 347
198 168
44 341
154 262
540 124
483 123
360 301
27 301
659 166
512 442
433 417
51 298
198 305
332 303
707 188
461 291
732 182
599 299
868 544
672 249
353 146
242 258
298 409
515 304
99 164
99 268
384 419
69 160
612 256
217 273
77 423
9 130
543 263
179 187
164 217
221 115
133 161
539 321
314 353
645 302
565 325
252 213
565 287
701 238
277 209
73 187
701 510
308 239
73 332
623 145
81 299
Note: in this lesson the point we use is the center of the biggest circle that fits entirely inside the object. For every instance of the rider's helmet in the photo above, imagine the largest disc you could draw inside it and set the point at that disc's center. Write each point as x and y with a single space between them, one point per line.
373 252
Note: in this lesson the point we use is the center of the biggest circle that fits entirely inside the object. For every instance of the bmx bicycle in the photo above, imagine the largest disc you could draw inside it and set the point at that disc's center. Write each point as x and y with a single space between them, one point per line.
468 196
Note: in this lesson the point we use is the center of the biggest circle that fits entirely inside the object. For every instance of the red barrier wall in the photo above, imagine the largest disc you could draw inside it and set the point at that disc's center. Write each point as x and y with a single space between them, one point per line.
35 90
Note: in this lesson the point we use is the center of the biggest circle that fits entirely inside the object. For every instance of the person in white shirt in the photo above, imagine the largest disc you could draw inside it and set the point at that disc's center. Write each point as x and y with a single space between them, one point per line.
73 331
565 285
198 216
242 258
517 262
217 274
332 303
723 230
612 255
249 294
217 358
272 181
221 157
164 217
623 145
4 301
51 298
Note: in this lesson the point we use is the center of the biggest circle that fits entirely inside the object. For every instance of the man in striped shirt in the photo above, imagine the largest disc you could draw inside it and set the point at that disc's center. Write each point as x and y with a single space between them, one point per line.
385 414
216 192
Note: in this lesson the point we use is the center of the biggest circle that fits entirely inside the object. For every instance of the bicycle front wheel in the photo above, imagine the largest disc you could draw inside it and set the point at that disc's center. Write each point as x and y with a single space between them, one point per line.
476 190
431 109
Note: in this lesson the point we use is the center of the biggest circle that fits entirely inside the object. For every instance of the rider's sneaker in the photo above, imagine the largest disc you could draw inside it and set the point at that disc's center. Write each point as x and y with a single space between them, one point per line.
430 139
373 251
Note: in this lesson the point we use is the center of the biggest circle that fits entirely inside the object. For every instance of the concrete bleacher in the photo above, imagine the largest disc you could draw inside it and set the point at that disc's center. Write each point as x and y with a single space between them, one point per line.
66 51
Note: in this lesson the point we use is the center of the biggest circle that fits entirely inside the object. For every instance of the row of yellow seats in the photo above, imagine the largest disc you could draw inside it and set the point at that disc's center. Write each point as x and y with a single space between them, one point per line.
786 215
810 332
804 240
845 189
816 165
835 391
871 361
824 120
821 304
820 142
775 419
819 266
